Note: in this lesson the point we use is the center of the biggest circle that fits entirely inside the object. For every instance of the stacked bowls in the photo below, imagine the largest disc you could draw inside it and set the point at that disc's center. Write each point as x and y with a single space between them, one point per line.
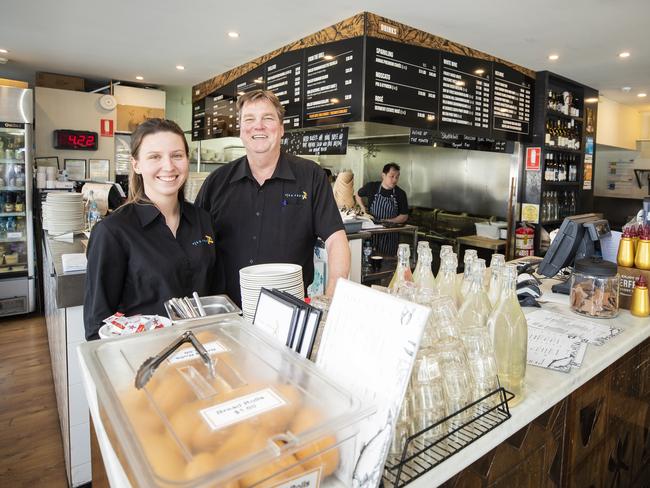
281 276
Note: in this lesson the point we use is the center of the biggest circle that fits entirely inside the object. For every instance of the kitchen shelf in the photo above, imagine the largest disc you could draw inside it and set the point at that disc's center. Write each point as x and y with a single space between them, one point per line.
552 222
12 188
8 241
561 183
13 214
562 149
15 265
11 161
562 115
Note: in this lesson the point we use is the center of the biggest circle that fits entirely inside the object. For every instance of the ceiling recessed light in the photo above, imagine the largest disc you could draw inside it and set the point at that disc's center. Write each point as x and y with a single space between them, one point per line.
479 71
626 88
180 67
554 57
328 57
4 51
459 83
258 80
591 100
334 100
642 95
624 54
233 34
139 78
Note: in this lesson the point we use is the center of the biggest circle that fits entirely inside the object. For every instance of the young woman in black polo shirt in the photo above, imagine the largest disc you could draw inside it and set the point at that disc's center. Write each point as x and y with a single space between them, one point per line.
156 246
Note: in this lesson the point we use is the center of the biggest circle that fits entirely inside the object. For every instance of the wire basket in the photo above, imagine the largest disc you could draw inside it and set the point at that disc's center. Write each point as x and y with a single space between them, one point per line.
421 453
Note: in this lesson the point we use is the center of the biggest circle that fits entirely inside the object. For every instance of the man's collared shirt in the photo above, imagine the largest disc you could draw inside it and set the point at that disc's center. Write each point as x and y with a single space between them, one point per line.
135 263
277 222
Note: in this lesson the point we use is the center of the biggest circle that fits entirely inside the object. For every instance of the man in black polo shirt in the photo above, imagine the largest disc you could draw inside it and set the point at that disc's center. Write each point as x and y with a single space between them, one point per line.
270 206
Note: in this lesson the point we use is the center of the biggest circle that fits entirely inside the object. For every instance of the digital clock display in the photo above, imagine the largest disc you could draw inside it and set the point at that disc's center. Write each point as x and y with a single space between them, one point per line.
75 139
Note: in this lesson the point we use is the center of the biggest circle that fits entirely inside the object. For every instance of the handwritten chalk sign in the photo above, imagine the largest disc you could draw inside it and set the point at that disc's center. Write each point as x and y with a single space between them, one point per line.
421 137
317 142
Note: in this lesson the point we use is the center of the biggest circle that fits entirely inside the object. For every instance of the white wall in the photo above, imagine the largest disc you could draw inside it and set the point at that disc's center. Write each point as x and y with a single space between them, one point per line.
65 109
139 97
618 125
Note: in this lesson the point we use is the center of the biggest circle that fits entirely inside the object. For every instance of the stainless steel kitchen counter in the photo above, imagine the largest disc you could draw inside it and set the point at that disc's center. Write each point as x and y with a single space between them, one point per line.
69 286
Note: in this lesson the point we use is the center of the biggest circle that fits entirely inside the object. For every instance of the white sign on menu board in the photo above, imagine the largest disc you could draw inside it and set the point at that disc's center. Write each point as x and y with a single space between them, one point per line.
369 346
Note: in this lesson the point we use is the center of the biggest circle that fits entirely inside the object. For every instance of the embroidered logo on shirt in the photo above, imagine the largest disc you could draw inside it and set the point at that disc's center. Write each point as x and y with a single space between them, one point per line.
293 198
206 241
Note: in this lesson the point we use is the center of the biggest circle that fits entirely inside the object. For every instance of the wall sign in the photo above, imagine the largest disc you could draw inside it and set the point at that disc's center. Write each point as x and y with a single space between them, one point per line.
533 158
421 137
315 142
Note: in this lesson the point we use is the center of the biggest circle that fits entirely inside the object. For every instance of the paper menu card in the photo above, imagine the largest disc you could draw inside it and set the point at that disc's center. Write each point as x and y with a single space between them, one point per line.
554 350
558 318
369 346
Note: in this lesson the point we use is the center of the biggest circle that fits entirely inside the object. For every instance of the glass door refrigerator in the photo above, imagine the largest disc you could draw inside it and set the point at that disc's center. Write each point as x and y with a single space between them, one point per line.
17 290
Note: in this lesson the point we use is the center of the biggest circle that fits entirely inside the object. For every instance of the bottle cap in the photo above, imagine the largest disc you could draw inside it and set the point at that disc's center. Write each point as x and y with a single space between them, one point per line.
641 282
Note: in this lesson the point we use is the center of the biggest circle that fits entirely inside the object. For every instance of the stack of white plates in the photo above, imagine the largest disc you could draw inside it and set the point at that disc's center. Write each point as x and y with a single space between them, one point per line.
63 212
281 276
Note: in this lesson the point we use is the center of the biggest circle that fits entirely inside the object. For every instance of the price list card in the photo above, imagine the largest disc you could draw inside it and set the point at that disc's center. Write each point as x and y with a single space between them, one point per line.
332 88
284 78
465 94
401 84
513 103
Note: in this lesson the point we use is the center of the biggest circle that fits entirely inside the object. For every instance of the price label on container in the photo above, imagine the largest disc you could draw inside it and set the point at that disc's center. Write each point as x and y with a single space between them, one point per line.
242 408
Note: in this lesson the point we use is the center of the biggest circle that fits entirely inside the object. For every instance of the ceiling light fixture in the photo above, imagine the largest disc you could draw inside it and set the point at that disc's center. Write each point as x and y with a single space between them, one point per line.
624 54
591 100
642 95
328 57
554 57
479 71
626 88
139 78
233 34
4 51
180 67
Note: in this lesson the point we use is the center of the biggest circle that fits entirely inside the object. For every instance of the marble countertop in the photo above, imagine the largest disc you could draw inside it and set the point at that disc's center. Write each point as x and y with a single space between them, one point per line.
545 388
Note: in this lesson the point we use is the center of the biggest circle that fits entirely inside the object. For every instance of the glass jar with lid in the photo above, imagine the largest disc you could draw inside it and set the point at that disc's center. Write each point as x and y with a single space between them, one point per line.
594 288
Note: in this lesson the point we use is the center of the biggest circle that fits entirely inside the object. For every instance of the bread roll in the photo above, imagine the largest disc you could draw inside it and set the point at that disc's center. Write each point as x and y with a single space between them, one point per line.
319 453
287 464
164 456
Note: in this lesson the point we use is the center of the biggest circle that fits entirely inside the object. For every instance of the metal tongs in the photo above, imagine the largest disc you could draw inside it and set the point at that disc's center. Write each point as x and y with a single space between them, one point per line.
148 367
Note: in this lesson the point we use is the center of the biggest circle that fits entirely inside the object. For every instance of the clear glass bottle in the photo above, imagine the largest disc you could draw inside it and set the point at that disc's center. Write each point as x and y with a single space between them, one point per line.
476 306
470 256
497 262
447 277
94 214
509 332
423 276
403 270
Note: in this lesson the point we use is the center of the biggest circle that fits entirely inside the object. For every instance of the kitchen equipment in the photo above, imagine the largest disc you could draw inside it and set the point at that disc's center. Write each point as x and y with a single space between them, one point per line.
214 306
594 288
261 415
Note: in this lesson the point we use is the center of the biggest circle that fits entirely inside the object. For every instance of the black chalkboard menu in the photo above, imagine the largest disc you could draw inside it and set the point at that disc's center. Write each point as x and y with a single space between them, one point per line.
333 82
512 116
284 75
474 143
215 115
315 142
401 84
465 95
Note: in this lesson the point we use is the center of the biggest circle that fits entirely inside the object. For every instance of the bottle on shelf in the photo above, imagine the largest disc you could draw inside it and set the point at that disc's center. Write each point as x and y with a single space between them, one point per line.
9 203
497 263
509 332
11 225
403 270
463 287
19 205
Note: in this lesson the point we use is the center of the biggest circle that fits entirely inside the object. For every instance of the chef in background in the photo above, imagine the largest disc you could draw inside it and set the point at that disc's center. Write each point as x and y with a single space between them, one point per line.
156 246
386 202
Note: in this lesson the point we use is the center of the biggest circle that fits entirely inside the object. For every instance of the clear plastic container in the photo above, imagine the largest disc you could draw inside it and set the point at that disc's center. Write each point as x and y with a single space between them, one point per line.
594 288
266 417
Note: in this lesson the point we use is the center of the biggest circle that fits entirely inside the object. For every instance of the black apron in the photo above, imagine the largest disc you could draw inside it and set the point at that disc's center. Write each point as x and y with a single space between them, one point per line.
385 208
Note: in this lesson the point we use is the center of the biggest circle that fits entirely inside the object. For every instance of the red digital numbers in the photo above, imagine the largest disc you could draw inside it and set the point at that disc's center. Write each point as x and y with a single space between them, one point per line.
76 140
